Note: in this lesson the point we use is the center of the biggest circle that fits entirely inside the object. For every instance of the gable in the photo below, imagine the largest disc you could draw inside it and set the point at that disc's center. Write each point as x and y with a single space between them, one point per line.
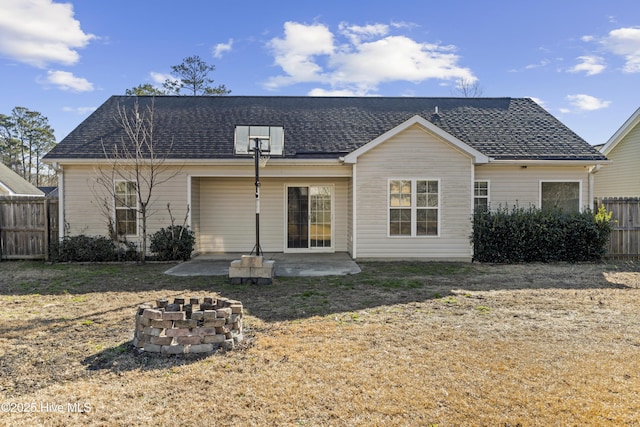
427 126
630 124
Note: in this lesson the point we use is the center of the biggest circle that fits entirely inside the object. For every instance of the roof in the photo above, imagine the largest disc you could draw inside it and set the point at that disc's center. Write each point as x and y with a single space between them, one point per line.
15 185
202 127
626 127
49 191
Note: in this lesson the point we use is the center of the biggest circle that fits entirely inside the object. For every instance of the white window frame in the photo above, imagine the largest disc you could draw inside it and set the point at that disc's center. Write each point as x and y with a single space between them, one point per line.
309 249
488 196
578 181
414 208
134 208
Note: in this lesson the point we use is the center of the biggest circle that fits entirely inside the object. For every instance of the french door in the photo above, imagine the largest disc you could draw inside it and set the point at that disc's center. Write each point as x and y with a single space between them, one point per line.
310 218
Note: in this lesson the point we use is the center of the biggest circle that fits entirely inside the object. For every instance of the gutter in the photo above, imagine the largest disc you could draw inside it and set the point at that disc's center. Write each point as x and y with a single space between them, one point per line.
593 167
564 162
235 161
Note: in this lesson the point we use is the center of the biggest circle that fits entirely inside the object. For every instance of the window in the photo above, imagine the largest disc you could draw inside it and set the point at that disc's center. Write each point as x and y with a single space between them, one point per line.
557 195
413 207
126 203
481 195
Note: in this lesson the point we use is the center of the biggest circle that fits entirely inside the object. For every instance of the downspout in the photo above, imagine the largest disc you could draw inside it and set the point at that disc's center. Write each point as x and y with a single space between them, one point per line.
592 171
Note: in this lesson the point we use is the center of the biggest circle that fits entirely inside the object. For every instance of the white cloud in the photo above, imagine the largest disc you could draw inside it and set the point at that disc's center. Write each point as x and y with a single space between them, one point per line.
160 78
403 24
39 32
357 33
587 102
538 101
626 43
221 48
543 63
81 111
338 92
366 57
296 52
67 81
591 65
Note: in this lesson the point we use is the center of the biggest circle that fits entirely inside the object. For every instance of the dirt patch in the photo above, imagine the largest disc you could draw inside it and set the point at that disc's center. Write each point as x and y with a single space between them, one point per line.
400 343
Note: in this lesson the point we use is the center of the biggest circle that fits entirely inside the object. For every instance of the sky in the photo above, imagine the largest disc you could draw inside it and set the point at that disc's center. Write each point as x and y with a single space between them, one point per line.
580 60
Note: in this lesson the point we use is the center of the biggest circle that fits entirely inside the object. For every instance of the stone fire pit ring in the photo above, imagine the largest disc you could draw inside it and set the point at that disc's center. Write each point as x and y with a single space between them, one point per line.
188 326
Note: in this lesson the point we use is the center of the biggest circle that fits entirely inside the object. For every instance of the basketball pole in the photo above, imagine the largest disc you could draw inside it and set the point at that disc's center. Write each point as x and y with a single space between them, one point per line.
257 153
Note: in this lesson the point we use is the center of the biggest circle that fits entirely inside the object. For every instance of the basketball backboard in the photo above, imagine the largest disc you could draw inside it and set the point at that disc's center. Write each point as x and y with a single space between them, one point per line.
271 140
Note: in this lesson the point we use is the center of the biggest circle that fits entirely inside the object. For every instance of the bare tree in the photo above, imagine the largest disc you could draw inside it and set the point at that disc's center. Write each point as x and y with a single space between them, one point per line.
468 88
134 169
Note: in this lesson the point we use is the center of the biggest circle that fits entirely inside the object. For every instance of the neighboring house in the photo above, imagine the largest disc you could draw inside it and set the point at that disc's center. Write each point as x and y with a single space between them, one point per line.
621 178
375 177
12 184
49 191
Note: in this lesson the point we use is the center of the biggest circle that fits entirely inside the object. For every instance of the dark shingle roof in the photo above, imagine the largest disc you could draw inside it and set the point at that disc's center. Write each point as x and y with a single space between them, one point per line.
203 127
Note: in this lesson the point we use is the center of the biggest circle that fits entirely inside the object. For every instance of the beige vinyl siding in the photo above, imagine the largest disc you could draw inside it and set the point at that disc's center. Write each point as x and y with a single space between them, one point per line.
272 169
194 222
226 193
520 186
349 203
83 213
84 202
227 213
414 154
621 178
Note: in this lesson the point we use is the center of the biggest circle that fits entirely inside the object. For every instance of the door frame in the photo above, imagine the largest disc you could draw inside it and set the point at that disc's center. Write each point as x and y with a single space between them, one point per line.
309 249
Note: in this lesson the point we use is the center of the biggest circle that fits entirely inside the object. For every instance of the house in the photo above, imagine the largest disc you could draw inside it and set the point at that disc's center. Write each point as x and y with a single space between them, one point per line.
12 184
622 177
376 177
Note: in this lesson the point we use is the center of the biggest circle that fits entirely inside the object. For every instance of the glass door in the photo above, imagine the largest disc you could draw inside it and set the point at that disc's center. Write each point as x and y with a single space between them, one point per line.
309 217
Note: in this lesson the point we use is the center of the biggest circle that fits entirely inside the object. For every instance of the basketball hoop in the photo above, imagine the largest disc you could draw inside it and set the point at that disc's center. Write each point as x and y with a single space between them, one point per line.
260 142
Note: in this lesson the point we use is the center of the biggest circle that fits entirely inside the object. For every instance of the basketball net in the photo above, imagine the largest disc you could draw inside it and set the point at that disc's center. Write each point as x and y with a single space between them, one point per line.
262 161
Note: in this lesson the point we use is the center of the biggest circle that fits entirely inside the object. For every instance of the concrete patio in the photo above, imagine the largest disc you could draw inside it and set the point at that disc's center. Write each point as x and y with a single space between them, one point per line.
289 264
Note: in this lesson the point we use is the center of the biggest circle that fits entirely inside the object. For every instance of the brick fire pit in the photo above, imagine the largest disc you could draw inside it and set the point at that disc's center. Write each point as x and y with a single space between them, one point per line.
188 326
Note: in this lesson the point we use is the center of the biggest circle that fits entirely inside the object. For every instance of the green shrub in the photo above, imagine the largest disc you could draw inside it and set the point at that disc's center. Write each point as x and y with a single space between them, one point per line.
531 235
83 248
173 243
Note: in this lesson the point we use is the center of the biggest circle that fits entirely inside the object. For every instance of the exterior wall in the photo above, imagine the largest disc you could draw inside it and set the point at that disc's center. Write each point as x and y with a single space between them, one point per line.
84 202
227 213
220 199
414 153
195 210
511 186
621 178
350 213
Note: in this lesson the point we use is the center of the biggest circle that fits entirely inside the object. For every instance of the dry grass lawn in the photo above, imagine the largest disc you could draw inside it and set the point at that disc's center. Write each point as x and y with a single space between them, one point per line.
409 343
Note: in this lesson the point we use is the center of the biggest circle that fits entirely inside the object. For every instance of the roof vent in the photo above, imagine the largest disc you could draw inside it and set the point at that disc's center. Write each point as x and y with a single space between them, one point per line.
436 114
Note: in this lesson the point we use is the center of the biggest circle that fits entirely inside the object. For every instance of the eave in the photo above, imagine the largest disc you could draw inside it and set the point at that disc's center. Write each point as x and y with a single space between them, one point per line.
199 162
554 162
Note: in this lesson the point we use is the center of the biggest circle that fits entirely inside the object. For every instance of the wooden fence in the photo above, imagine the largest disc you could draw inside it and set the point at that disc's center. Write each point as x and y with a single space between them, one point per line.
27 226
625 236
